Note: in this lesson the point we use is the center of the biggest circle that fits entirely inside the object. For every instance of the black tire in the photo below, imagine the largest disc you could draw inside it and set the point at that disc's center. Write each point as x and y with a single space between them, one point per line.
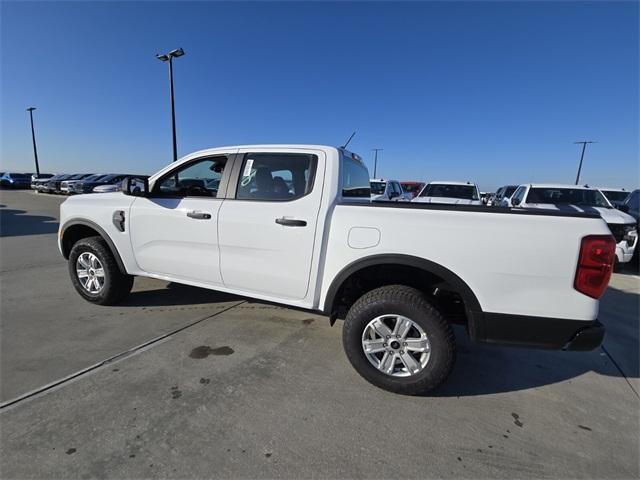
411 303
117 285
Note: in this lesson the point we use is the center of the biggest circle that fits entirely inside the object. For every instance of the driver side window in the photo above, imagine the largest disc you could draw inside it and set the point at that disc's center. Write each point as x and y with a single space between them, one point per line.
200 178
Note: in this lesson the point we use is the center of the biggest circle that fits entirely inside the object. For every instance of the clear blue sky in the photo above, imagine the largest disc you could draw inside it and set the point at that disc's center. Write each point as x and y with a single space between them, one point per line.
491 92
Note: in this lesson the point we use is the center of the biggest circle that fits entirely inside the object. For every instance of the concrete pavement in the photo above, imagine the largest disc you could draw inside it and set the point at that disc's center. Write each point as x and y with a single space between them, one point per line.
248 390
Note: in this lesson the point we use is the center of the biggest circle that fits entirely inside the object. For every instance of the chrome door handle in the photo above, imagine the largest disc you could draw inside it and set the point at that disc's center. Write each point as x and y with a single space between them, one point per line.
290 222
199 215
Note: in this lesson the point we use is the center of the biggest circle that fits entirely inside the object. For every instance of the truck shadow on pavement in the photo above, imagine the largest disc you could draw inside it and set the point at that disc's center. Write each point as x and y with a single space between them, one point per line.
175 294
482 369
15 223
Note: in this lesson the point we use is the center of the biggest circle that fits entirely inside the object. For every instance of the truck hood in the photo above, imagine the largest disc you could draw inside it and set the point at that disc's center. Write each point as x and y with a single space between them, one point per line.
609 215
447 200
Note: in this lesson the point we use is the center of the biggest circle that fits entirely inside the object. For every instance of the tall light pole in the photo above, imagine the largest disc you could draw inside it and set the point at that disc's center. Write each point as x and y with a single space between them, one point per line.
168 57
33 137
375 162
584 146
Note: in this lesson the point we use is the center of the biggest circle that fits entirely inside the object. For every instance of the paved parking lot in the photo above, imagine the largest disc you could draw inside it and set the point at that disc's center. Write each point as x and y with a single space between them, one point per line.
181 382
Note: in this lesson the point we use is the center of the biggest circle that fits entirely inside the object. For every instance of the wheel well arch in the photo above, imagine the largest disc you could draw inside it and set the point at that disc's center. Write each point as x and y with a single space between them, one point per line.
429 277
76 230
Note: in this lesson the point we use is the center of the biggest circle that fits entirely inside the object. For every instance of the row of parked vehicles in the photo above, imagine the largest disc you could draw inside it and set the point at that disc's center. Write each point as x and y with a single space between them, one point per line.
65 183
618 207
69 184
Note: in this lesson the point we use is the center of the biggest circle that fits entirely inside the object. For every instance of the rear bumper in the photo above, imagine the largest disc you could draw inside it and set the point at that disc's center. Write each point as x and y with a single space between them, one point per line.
536 332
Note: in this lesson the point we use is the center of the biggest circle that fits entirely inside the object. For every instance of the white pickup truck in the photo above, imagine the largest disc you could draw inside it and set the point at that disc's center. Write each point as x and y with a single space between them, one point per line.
293 224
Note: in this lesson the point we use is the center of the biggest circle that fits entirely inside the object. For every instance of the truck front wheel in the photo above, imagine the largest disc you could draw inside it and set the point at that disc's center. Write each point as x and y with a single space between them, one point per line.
95 273
398 341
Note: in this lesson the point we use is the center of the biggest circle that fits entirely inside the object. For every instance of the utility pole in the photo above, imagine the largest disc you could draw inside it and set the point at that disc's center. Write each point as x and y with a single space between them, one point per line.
584 146
375 162
178 52
33 137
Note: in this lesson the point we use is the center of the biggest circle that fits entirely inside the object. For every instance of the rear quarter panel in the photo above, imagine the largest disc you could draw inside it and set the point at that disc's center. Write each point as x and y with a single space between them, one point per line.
530 272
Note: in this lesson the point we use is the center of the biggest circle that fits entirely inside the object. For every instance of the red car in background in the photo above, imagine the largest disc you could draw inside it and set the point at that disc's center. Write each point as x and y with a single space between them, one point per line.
412 188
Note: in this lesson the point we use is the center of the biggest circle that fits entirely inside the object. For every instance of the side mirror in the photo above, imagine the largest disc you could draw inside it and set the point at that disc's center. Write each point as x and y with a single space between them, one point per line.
485 200
515 202
393 194
135 186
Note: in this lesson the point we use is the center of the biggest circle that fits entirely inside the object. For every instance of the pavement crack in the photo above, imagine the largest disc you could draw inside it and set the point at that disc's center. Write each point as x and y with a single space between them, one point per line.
119 356
620 370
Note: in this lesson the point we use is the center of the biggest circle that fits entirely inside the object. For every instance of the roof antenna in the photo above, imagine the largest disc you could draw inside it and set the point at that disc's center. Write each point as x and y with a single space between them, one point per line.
349 141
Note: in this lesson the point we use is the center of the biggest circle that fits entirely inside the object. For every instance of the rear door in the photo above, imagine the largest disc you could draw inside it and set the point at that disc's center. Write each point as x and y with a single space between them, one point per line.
267 224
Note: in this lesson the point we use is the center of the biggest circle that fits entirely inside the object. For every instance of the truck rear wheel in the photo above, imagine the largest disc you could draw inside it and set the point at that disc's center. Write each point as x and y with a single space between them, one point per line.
95 273
398 341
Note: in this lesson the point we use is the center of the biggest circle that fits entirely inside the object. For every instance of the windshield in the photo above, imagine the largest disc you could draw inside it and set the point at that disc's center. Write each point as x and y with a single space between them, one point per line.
411 187
509 191
466 192
377 188
577 196
93 178
615 196
19 175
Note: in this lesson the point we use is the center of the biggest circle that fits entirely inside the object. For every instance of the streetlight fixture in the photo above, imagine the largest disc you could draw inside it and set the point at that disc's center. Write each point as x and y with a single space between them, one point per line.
168 57
33 137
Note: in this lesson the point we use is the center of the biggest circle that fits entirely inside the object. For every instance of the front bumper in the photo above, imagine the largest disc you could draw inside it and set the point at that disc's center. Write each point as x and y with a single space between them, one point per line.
536 332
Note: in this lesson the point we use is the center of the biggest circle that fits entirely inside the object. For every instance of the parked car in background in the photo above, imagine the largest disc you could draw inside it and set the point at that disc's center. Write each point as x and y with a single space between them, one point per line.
386 191
632 206
502 196
456 193
490 198
87 185
411 189
616 196
15 180
35 179
576 198
55 184
115 187
67 186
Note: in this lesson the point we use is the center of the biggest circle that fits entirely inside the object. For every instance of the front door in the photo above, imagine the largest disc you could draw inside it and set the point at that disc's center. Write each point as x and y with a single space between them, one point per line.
267 226
174 230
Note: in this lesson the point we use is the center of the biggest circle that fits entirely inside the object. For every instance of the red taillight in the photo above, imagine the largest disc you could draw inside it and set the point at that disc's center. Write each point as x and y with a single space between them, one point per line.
597 253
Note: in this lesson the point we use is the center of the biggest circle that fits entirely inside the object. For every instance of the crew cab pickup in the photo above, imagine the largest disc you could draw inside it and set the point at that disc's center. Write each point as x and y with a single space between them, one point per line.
294 225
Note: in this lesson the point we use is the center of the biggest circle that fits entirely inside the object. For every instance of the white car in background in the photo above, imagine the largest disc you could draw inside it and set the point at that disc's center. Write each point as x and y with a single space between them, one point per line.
579 199
108 188
616 196
454 193
387 191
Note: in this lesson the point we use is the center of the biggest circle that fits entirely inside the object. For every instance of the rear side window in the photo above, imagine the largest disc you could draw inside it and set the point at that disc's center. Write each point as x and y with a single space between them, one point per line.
276 176
355 179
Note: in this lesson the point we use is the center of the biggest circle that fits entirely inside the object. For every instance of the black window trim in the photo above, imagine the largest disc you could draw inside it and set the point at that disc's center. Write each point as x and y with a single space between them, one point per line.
224 181
236 174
